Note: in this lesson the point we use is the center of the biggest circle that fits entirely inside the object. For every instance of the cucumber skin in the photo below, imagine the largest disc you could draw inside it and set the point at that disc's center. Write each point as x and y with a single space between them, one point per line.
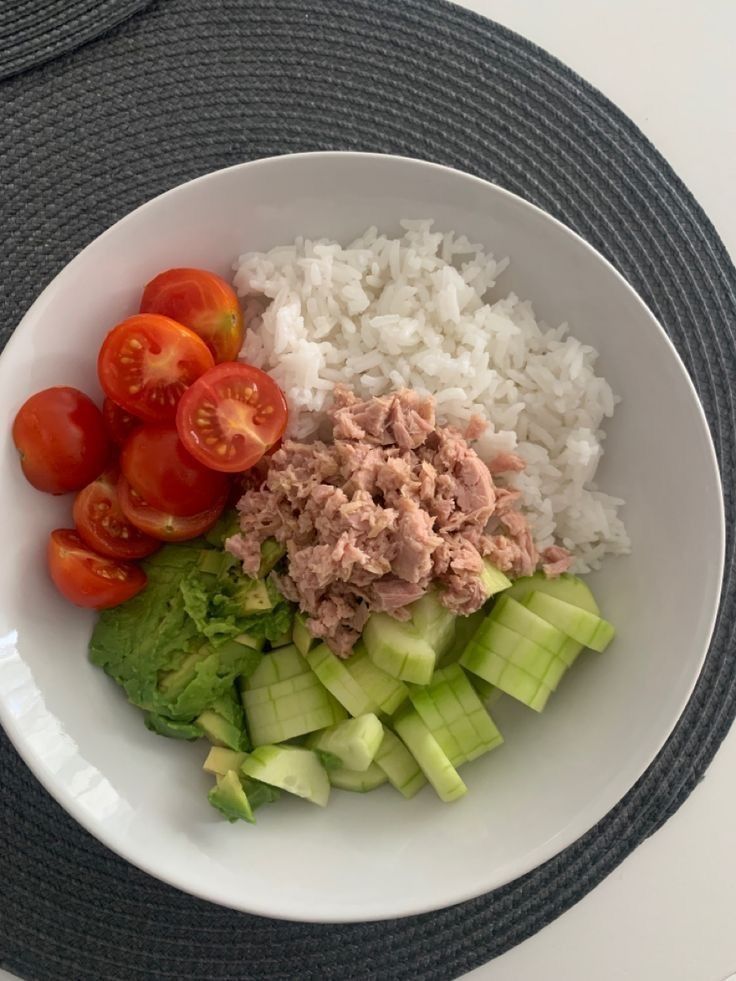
583 627
336 678
402 770
424 748
567 587
358 781
274 765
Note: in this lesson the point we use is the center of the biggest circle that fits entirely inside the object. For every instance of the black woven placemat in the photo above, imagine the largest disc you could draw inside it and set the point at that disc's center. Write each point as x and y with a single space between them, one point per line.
187 86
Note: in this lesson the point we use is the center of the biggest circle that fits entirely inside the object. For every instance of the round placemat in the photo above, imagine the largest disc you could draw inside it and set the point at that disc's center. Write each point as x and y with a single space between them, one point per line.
187 86
34 31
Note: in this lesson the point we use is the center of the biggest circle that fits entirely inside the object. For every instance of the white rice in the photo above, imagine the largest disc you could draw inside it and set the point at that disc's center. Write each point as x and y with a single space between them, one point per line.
413 311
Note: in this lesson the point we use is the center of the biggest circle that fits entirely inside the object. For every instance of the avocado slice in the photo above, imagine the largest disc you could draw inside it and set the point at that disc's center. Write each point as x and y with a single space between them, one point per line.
253 596
229 797
219 731
220 760
171 728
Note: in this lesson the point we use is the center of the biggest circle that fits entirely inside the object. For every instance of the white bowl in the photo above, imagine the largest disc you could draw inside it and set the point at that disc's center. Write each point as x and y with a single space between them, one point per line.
558 773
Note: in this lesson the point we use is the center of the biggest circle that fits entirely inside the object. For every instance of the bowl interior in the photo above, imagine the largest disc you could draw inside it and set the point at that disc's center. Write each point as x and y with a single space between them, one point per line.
559 772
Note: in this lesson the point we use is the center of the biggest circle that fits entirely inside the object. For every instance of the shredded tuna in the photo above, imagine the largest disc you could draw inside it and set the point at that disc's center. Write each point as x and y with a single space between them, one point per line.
394 505
506 463
555 561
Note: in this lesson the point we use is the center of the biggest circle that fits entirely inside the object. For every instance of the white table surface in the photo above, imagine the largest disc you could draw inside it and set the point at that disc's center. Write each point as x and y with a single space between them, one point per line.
667 913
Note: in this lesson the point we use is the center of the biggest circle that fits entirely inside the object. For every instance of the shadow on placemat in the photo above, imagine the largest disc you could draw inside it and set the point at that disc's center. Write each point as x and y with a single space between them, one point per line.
185 87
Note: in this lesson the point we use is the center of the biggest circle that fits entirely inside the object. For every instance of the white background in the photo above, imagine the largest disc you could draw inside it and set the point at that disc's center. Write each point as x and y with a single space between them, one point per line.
667 913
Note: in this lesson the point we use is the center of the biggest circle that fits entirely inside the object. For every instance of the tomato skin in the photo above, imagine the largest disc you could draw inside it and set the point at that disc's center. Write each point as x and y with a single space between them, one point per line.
162 526
61 437
103 527
231 416
159 468
202 301
147 361
119 423
87 579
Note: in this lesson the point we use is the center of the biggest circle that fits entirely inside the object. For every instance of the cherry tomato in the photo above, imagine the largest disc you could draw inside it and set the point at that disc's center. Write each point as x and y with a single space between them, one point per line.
102 525
203 302
147 361
61 439
87 579
119 423
158 467
158 524
231 416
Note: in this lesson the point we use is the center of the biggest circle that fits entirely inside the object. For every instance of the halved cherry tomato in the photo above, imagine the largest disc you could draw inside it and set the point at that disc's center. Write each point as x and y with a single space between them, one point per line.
119 423
61 439
147 361
158 467
158 524
201 301
102 525
231 416
88 579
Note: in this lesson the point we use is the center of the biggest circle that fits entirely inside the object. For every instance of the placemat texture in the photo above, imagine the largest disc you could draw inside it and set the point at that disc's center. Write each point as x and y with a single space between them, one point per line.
187 86
33 31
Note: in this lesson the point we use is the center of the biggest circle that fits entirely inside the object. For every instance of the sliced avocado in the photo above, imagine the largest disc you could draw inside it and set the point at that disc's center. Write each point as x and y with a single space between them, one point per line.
173 683
271 552
284 640
219 731
220 760
229 797
253 596
215 562
171 728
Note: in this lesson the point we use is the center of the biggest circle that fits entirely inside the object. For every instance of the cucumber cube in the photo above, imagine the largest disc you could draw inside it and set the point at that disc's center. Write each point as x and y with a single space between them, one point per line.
524 621
289 708
398 649
337 678
279 665
385 692
354 742
291 768
303 640
568 588
426 751
359 781
399 765
586 628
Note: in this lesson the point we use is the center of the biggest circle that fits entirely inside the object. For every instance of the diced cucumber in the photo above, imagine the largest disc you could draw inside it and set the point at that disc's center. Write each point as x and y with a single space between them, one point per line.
426 751
512 647
493 579
385 692
338 680
584 627
220 760
465 627
486 691
289 708
229 797
278 665
524 621
455 715
291 768
434 622
360 781
507 676
302 638
566 587
354 742
399 765
397 649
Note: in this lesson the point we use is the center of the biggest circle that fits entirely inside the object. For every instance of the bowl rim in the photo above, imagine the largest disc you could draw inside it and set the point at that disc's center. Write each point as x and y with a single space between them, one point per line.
566 836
